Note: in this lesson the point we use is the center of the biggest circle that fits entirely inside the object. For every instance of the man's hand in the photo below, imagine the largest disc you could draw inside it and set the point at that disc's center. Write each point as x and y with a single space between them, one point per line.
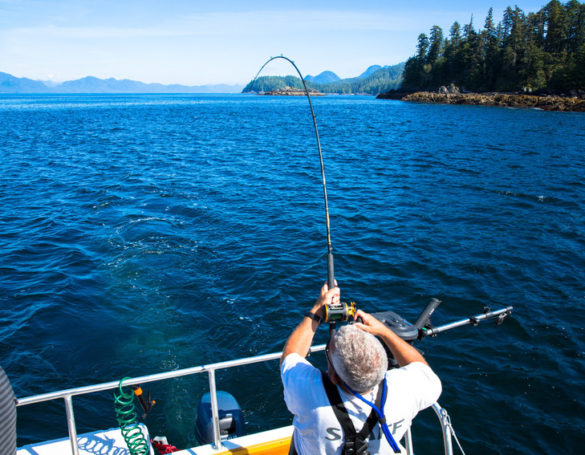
326 297
403 352
300 340
370 324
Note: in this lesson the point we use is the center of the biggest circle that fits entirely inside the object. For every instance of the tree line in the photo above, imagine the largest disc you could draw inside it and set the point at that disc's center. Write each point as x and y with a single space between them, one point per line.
524 52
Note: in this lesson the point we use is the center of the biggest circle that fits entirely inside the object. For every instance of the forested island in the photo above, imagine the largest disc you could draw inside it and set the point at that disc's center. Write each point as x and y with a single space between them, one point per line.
373 81
530 55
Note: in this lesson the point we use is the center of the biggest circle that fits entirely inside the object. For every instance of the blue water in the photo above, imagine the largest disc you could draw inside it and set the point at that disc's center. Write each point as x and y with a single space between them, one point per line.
145 233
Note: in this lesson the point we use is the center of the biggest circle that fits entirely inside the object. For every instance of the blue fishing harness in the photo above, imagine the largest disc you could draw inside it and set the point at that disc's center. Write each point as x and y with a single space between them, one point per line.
357 443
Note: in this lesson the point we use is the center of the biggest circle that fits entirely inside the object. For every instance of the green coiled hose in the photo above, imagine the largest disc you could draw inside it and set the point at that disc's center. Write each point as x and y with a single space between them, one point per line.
128 421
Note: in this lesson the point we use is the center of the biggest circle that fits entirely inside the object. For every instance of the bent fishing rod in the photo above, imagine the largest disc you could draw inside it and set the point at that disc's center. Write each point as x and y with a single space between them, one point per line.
330 267
340 311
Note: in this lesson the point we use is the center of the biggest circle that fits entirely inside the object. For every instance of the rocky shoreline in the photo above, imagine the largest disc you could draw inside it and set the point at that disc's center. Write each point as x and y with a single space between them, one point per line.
289 91
547 103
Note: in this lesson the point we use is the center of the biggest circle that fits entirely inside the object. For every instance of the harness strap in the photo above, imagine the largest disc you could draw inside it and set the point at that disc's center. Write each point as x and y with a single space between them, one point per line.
381 416
354 442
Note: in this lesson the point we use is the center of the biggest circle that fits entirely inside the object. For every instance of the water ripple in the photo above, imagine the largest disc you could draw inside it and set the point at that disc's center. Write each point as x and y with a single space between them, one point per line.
141 233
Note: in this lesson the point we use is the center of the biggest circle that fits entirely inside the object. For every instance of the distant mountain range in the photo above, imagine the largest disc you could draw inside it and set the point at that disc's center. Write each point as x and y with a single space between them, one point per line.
324 78
90 84
371 70
327 77
376 79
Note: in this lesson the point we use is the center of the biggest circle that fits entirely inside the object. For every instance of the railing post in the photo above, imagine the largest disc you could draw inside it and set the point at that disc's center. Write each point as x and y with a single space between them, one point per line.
446 427
408 442
71 424
214 410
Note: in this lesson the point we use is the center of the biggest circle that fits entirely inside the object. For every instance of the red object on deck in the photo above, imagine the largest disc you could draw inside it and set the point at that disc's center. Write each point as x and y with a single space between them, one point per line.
163 448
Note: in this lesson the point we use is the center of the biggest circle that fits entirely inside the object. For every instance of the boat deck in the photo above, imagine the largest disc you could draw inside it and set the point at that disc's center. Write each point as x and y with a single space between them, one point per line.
111 442
272 442
107 442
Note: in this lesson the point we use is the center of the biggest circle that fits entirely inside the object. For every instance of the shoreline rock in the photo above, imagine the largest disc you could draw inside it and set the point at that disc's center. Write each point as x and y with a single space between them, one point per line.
547 103
289 91
395 94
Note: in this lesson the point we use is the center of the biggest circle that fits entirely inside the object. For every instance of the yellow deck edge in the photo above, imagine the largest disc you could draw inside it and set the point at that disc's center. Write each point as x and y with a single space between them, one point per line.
276 447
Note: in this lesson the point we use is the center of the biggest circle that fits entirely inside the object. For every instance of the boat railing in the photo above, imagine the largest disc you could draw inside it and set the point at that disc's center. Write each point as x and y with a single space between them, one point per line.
68 394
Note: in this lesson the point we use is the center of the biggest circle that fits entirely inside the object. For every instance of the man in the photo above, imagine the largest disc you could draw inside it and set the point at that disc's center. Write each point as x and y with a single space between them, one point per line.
357 365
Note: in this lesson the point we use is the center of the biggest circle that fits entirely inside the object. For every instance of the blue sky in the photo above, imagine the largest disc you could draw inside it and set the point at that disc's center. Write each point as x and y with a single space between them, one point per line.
219 41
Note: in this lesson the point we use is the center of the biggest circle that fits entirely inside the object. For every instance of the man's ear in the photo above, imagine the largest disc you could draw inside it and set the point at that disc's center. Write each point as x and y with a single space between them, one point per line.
334 378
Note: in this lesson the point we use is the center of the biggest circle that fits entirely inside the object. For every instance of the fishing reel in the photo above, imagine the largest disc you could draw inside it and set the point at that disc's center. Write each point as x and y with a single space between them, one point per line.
339 312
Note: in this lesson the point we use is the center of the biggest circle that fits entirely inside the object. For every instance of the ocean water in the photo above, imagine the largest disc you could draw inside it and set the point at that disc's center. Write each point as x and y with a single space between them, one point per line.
144 233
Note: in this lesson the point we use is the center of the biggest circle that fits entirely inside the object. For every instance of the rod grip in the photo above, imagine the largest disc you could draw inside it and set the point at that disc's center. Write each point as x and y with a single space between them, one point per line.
330 271
425 316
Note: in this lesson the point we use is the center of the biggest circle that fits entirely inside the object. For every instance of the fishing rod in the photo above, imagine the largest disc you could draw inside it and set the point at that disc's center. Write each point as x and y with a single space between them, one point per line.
330 267
336 311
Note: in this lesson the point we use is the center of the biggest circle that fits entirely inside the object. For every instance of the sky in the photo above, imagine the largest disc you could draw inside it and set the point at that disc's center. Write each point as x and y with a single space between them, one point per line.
194 42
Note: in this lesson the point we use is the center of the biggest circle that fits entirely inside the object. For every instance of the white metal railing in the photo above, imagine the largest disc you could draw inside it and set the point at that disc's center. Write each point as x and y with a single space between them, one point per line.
68 395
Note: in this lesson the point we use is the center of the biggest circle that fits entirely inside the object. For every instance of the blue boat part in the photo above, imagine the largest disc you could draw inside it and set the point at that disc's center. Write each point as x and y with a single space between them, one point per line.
231 421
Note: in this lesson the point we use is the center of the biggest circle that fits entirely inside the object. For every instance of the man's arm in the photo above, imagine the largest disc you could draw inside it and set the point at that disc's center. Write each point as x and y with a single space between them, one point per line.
300 340
403 352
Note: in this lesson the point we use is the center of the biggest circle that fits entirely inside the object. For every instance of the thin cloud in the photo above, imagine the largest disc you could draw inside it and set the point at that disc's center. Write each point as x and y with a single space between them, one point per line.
251 23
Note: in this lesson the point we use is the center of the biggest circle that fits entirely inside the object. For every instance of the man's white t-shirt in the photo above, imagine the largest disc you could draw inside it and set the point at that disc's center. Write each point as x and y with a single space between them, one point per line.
317 430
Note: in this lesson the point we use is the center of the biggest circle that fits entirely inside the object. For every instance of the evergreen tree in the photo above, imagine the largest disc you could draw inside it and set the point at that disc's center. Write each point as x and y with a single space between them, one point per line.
557 28
436 44
452 56
455 34
490 42
422 47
